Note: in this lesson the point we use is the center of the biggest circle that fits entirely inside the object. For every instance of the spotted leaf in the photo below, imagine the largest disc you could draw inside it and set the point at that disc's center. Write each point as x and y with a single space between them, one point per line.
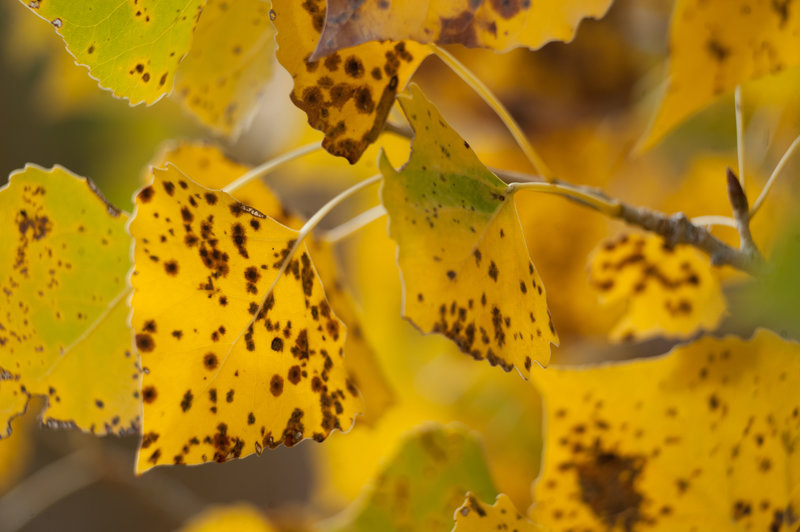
239 370
715 46
239 517
63 323
703 438
131 48
346 95
208 166
668 291
474 516
496 24
462 255
421 484
221 79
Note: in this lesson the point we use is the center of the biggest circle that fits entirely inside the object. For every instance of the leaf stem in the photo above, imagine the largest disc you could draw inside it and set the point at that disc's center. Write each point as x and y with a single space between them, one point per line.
267 167
737 104
360 221
491 100
606 206
775 173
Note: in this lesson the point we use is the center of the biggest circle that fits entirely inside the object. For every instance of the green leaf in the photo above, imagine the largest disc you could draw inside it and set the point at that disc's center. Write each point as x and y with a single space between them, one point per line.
462 255
230 370
703 438
131 47
63 323
422 484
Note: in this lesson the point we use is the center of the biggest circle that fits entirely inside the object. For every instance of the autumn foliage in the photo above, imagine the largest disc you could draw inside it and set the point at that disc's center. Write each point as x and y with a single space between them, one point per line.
578 308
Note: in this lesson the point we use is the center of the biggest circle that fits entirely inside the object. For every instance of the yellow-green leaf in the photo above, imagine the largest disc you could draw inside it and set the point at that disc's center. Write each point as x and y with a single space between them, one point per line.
462 255
703 438
239 517
346 95
221 79
474 516
421 485
208 166
668 291
500 25
63 323
715 46
229 370
131 48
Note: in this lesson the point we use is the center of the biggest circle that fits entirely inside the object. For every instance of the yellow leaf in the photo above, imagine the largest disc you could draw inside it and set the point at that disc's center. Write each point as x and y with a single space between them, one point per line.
668 291
474 516
229 370
500 25
238 517
715 46
421 485
462 255
15 453
208 166
346 95
63 323
222 77
703 438
131 48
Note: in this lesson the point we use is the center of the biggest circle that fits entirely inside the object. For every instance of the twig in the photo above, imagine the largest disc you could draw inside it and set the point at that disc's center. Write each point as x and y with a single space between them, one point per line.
741 214
675 228
737 105
775 173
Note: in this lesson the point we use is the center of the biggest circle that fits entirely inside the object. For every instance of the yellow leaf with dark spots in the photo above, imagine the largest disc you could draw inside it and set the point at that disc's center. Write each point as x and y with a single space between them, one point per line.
421 485
208 166
346 95
716 45
131 47
230 370
221 79
463 259
497 24
668 291
474 516
63 312
703 438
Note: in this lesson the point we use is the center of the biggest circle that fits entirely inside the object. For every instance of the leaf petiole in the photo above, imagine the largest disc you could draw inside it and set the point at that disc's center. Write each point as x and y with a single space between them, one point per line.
775 173
340 232
491 100
606 206
267 167
739 133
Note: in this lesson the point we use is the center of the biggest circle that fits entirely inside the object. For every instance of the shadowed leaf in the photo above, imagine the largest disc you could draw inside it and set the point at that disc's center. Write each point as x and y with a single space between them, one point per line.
715 46
702 438
462 255
221 79
421 484
346 95
496 24
63 323
669 291
239 517
231 370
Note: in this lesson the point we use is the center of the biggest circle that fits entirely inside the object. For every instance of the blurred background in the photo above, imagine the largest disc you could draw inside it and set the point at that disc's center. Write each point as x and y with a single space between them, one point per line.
584 106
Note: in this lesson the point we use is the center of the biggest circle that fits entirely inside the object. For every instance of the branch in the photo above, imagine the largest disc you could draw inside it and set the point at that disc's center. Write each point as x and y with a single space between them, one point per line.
675 228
